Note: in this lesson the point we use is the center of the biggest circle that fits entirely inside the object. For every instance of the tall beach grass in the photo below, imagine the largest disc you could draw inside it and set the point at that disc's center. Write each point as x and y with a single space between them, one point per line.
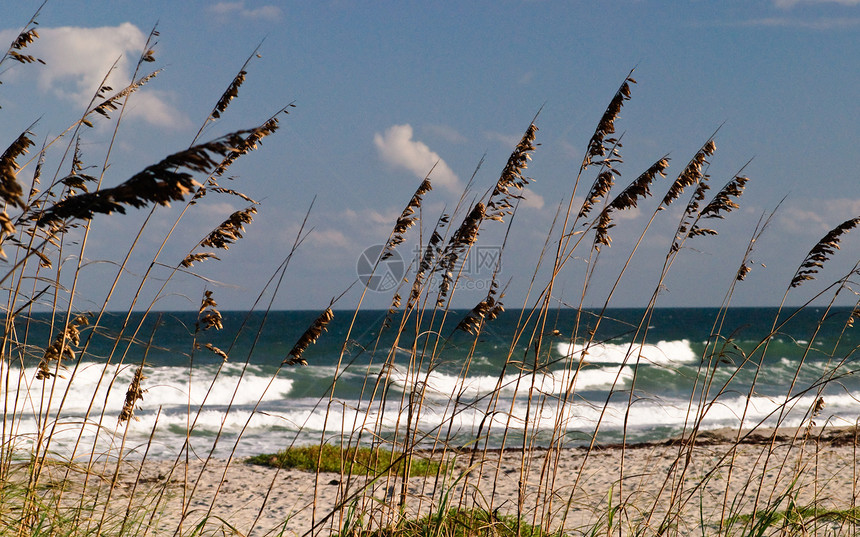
416 480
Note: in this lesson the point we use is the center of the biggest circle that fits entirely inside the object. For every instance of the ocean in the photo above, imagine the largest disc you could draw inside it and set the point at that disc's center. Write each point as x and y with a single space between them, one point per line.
467 391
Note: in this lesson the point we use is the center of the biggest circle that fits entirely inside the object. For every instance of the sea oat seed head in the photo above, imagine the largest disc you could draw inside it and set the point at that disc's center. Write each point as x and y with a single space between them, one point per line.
309 337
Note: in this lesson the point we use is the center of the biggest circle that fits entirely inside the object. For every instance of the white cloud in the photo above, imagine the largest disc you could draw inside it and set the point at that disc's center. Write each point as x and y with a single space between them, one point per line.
371 215
823 23
77 60
152 107
531 199
817 216
232 9
506 140
368 224
627 214
320 243
569 150
447 133
397 148
329 238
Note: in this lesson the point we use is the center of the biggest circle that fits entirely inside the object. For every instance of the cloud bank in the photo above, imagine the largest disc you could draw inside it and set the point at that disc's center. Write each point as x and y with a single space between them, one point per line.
397 148
77 60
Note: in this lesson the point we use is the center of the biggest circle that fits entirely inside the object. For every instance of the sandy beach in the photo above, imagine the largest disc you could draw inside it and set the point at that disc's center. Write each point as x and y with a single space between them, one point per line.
666 482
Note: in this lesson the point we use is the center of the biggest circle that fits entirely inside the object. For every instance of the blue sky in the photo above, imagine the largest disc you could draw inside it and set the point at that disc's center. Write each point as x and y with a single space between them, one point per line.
383 91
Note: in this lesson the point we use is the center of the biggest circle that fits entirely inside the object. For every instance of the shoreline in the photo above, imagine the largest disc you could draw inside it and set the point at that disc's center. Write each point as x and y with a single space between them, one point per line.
828 434
833 435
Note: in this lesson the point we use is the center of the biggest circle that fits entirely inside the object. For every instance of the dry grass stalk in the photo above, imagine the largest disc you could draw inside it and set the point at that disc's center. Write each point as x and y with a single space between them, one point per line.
599 189
107 106
463 238
247 144
24 58
77 180
231 192
231 93
230 230
310 336
132 396
486 310
215 350
697 231
604 224
392 309
641 187
817 408
10 190
855 314
113 102
512 176
467 233
190 259
7 228
44 260
722 201
691 174
600 145
160 183
406 219
24 39
233 90
822 251
61 348
628 198
37 177
208 317
431 252
742 272
691 213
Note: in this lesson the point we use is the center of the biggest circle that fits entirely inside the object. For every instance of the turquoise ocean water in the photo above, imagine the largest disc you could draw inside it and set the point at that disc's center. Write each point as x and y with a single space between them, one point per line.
465 389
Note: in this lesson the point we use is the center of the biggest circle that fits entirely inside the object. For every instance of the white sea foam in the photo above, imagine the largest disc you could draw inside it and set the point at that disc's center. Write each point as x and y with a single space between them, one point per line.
105 387
546 382
271 429
663 352
536 402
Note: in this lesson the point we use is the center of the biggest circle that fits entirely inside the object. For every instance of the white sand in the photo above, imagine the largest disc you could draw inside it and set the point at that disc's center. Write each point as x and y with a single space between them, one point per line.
258 501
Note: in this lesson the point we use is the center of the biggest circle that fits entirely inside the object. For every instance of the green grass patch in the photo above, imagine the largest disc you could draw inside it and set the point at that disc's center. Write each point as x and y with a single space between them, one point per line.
356 461
795 519
456 523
